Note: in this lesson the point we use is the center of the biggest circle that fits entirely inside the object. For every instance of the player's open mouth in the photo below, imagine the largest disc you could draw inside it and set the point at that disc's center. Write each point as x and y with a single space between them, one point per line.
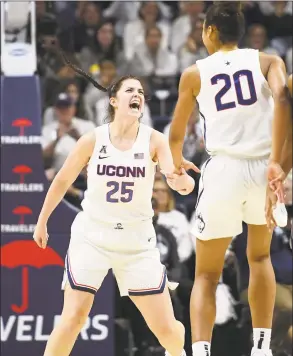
135 105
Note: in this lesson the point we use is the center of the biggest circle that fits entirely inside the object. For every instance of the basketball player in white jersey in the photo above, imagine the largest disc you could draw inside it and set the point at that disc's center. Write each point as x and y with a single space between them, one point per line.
115 228
240 93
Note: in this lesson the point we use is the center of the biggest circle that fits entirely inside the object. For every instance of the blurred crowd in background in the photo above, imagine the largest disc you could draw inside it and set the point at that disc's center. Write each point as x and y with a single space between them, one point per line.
157 41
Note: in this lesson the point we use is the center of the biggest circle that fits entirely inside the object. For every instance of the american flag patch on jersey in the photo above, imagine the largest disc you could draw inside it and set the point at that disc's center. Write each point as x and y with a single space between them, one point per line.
138 156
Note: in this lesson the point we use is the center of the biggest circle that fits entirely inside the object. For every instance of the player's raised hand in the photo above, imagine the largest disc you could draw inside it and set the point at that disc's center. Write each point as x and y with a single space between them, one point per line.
41 236
187 165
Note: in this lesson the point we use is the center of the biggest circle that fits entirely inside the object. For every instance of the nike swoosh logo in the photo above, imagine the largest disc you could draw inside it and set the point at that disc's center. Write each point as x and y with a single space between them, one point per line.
103 157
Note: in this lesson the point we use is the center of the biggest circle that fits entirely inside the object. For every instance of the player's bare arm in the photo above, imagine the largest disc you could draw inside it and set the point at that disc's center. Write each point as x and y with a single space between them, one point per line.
286 160
290 84
73 165
189 88
160 151
277 80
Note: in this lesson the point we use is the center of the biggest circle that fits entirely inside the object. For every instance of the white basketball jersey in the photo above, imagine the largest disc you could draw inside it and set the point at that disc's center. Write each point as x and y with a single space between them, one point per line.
236 105
120 183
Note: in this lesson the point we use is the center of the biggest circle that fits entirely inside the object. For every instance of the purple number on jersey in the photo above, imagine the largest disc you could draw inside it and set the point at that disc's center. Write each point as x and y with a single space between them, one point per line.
125 191
227 86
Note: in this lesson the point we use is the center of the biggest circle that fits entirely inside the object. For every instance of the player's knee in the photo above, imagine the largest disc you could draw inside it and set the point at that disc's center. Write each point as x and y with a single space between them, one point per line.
76 317
258 257
209 278
168 330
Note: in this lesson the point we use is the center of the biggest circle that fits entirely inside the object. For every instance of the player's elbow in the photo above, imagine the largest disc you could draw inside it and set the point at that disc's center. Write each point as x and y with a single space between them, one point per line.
175 137
282 97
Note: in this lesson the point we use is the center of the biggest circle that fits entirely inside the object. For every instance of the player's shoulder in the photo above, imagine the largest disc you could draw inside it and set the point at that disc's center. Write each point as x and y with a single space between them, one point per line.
191 72
190 79
270 58
157 136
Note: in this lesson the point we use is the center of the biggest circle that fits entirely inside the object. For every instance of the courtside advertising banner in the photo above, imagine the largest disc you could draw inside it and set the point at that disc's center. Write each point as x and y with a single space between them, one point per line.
31 296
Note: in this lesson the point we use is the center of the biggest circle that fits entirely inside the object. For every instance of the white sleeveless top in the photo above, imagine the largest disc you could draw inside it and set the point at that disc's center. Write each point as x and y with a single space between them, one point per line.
120 183
236 105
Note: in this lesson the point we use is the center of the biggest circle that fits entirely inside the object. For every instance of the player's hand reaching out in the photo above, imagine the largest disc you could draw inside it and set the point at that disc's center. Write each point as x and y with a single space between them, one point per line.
182 183
40 235
187 165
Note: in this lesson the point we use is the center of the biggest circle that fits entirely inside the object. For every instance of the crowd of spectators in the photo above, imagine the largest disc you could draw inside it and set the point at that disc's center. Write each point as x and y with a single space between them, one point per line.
157 40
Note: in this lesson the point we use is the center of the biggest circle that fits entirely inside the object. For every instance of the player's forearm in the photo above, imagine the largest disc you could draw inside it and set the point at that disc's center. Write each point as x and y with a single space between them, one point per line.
176 145
286 160
54 196
281 124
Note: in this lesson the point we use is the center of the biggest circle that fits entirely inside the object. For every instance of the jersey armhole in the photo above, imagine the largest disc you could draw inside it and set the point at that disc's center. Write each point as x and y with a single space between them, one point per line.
95 147
200 79
155 163
259 66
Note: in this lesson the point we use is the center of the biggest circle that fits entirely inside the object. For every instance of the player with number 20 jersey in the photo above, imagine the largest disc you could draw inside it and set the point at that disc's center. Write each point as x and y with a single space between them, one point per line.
242 99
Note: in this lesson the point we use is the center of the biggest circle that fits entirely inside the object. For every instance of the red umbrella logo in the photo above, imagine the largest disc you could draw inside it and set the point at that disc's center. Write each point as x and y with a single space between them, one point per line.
21 123
22 171
22 211
24 254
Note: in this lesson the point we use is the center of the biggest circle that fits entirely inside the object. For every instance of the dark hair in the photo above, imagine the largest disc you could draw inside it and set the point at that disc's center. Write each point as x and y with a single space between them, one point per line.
111 90
143 4
229 20
153 28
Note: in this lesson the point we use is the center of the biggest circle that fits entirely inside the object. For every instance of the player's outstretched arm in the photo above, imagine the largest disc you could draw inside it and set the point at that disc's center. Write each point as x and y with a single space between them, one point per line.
183 183
71 168
189 88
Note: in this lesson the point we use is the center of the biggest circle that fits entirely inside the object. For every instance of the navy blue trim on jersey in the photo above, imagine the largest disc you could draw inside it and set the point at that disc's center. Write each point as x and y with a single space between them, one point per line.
202 189
73 283
150 291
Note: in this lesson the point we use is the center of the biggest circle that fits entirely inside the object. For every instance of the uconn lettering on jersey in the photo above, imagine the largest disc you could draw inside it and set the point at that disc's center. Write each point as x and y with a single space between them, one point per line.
120 171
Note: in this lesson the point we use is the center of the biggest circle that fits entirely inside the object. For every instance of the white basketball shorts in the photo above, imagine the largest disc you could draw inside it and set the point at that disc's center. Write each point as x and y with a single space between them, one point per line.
230 191
130 251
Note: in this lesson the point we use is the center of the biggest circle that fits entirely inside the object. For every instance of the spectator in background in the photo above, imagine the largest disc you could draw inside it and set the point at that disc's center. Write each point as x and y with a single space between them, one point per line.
279 26
181 28
193 49
54 70
256 38
252 13
151 58
71 87
173 219
105 46
59 137
126 11
89 17
135 31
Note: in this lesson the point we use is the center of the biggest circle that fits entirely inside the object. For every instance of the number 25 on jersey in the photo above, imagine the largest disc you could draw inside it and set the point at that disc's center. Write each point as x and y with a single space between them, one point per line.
234 83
